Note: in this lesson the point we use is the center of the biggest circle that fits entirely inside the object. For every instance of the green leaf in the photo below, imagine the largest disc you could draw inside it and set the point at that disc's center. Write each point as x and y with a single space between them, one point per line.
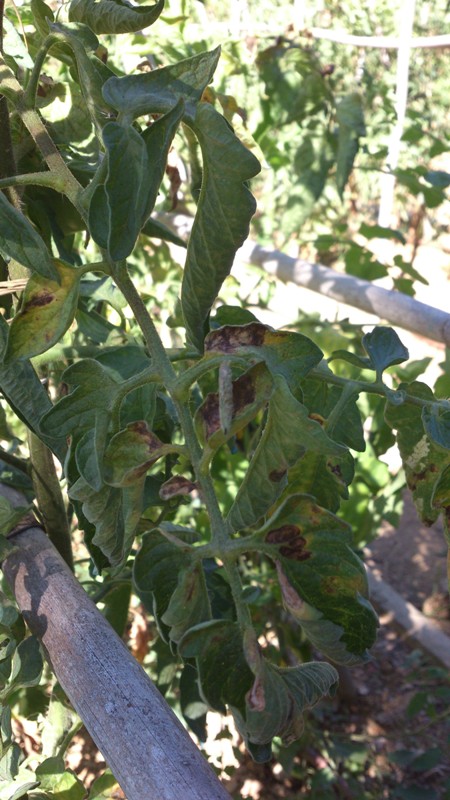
380 232
10 516
436 421
157 230
224 675
384 348
189 603
423 460
61 783
278 449
46 312
132 452
117 208
159 91
290 355
158 138
104 787
192 706
20 241
90 69
115 513
321 398
89 451
26 665
361 262
96 389
323 582
350 118
250 392
440 499
114 16
159 566
222 221
27 397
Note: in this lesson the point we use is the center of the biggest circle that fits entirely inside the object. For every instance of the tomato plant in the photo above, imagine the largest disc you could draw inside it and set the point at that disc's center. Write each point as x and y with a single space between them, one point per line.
147 430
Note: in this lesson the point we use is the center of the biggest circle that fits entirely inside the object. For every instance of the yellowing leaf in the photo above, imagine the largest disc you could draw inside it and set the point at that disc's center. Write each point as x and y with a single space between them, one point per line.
46 312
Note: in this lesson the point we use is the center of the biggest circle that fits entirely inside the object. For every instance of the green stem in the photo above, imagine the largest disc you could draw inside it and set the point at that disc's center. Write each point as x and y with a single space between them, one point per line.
32 87
357 387
14 461
187 378
35 179
169 377
49 497
234 579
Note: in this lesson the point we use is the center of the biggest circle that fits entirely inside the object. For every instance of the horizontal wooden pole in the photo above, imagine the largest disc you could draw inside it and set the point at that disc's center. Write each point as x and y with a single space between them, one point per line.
149 752
394 307
384 42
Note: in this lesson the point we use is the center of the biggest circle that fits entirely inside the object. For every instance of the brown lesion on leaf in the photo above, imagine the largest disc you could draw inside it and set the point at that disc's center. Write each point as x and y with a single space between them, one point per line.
42 298
414 478
256 697
317 418
175 486
291 598
234 337
141 428
244 395
277 475
290 541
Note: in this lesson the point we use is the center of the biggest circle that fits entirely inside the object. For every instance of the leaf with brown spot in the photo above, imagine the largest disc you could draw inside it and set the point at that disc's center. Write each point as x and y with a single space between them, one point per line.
250 392
423 459
323 582
132 452
176 485
46 312
291 355
287 436
189 603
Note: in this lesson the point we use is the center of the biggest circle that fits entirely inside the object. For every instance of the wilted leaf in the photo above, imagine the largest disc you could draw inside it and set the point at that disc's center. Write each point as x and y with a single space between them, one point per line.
323 582
291 355
47 310
278 449
114 16
176 486
132 452
20 241
221 224
279 698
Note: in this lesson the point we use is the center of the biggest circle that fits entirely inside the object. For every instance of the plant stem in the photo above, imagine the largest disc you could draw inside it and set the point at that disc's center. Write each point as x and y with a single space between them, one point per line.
14 461
35 179
169 378
49 497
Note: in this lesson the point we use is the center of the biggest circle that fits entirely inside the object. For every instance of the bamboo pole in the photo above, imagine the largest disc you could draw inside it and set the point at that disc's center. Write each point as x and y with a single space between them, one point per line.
148 750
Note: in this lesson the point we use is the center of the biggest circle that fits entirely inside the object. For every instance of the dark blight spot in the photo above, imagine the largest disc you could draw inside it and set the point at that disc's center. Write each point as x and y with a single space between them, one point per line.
292 544
277 475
